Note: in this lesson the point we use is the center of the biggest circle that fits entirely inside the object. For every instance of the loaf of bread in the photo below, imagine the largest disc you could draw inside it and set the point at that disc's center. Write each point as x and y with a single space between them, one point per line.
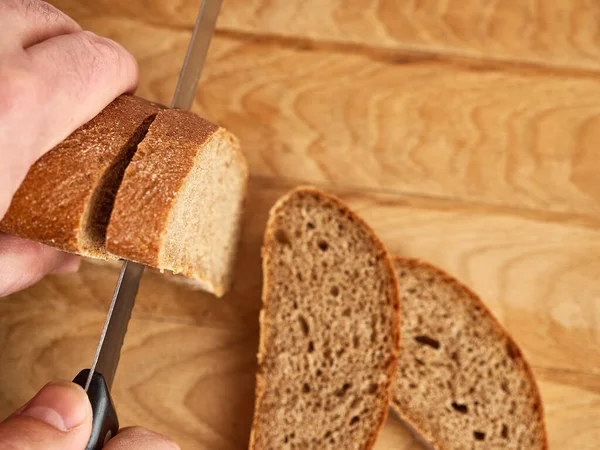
180 204
329 328
462 381
161 187
66 197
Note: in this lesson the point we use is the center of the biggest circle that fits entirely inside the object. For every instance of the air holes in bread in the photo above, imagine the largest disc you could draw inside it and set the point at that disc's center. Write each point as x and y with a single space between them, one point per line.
429 341
461 408
311 347
342 391
354 420
504 433
335 291
323 245
305 388
287 438
479 435
304 325
282 237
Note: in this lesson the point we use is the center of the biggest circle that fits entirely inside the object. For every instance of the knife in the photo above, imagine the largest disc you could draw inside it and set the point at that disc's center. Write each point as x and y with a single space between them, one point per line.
98 379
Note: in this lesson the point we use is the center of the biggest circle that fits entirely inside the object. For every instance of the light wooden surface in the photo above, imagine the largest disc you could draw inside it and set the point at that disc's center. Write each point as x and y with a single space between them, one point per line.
462 129
465 134
555 33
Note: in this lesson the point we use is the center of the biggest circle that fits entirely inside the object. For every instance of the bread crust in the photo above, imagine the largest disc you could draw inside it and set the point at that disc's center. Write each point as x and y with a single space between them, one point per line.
476 300
155 175
267 260
51 204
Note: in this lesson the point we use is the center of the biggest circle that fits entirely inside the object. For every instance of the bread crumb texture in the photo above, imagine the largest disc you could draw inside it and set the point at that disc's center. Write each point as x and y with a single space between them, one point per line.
462 381
180 204
329 328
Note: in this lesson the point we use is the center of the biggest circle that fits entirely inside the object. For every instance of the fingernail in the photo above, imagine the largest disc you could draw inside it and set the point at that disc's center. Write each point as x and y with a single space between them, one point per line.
69 265
60 404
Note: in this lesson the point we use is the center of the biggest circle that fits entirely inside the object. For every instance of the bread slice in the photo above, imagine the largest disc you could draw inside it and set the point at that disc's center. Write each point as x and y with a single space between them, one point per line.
462 381
66 197
180 204
329 325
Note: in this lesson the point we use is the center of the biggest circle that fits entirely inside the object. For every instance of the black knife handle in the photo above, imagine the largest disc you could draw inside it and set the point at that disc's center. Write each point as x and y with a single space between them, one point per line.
105 423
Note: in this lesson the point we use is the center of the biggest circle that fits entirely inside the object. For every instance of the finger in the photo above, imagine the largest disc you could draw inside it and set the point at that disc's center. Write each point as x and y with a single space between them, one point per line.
23 263
81 74
61 84
58 417
138 438
27 22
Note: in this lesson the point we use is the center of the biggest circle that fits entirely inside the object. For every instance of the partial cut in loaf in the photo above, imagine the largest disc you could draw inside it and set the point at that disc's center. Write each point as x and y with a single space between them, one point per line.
171 199
180 204
329 328
462 381
67 195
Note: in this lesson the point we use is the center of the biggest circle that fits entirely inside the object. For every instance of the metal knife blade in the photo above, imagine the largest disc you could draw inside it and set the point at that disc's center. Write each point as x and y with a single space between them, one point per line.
196 54
108 352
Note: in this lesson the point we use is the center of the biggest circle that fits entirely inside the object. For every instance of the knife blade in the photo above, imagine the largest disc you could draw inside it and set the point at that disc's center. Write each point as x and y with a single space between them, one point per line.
195 56
98 380
113 334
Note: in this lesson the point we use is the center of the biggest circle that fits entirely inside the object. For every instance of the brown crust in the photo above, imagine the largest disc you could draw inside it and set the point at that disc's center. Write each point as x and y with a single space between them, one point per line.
269 234
151 182
497 326
51 204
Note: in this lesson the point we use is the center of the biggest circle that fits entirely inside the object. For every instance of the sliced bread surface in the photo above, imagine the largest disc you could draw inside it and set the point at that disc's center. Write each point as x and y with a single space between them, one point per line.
66 197
180 203
330 324
462 381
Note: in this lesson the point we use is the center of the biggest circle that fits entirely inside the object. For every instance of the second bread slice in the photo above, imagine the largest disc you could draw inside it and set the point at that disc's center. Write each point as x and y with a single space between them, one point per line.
329 328
462 381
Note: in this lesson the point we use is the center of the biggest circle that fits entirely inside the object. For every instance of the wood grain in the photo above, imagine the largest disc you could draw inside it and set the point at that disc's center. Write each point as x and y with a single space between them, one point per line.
445 124
511 137
550 33
201 393
540 278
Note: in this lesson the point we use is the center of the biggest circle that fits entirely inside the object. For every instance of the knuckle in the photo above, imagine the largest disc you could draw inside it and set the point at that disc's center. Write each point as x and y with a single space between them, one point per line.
106 58
103 50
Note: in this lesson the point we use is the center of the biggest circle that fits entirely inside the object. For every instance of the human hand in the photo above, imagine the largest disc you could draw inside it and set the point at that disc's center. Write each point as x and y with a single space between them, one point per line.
54 77
59 417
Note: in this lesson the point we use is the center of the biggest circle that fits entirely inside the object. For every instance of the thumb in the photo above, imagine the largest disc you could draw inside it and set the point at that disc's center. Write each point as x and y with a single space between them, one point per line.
59 417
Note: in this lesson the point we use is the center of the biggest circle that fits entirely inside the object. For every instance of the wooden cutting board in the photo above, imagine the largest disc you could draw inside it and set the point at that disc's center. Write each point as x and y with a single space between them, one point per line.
466 134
